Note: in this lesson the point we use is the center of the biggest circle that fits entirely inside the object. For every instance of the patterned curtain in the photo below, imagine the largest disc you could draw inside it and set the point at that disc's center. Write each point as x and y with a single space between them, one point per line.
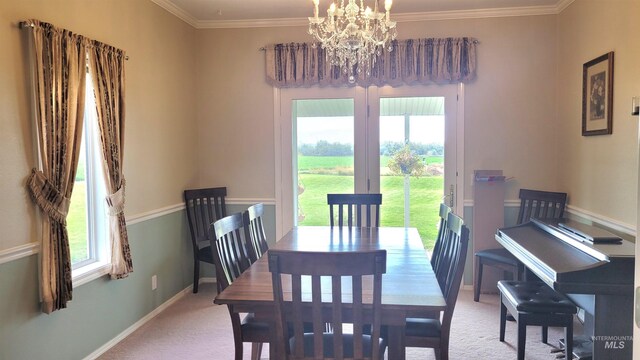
106 65
419 61
60 71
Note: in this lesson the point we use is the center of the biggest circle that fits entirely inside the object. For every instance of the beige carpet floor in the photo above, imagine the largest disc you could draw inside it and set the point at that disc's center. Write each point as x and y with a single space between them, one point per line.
195 328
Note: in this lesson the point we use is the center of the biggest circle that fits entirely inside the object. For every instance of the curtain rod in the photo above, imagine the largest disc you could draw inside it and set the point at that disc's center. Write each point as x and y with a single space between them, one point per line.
26 25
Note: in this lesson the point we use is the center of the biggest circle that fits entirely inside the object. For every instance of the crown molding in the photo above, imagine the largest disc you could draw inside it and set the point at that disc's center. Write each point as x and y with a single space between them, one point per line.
177 11
404 17
250 23
563 4
476 14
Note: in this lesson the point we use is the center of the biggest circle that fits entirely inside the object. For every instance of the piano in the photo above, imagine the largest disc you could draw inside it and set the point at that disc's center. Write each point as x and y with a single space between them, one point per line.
594 268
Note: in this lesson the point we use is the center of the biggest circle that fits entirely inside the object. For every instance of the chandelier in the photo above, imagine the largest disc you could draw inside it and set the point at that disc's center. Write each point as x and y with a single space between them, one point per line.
353 35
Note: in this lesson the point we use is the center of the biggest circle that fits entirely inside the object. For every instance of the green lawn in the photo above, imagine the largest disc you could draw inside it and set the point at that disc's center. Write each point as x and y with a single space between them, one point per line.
307 163
426 194
77 223
319 175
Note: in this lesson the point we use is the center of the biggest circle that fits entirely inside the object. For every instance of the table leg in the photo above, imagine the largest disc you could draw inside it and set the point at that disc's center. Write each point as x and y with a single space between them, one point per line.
396 343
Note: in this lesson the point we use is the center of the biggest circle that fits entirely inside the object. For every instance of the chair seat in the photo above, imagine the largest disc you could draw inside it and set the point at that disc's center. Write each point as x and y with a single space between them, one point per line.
347 343
255 331
422 327
205 254
535 297
501 255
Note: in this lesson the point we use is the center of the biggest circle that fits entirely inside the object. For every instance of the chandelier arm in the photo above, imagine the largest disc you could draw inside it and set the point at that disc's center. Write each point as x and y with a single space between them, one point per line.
352 36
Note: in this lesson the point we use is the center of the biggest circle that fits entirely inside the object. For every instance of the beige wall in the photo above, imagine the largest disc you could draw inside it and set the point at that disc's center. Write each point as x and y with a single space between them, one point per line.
160 131
600 173
517 118
510 107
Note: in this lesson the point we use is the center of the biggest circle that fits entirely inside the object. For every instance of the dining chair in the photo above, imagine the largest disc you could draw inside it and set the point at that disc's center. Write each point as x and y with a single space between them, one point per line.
533 203
254 231
231 261
354 204
204 206
435 332
309 276
436 255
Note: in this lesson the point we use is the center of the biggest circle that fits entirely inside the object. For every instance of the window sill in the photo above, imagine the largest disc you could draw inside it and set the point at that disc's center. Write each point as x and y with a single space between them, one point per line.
89 273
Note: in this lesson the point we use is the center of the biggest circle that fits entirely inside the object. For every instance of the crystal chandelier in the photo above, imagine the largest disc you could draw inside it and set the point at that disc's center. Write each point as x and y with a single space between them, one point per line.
353 35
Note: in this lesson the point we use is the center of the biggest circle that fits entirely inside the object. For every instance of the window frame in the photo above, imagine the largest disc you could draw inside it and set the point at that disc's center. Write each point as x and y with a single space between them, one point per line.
98 260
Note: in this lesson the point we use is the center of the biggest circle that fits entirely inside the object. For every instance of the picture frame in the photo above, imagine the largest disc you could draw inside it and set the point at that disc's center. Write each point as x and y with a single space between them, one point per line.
597 96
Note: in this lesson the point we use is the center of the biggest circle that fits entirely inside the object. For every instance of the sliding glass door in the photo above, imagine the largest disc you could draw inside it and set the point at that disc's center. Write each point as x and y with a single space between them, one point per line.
397 141
412 157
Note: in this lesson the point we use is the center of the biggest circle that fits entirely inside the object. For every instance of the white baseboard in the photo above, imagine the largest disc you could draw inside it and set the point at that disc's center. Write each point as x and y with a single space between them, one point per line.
113 342
204 280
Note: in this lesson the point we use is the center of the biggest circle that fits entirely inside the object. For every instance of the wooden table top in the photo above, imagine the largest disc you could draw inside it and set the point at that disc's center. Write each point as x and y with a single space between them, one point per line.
409 285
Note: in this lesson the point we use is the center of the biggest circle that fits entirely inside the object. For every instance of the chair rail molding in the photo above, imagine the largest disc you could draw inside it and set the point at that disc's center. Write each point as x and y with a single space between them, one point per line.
599 219
19 252
33 248
148 215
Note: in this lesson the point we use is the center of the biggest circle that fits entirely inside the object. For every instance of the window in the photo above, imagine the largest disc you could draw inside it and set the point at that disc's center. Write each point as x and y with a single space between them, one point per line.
87 222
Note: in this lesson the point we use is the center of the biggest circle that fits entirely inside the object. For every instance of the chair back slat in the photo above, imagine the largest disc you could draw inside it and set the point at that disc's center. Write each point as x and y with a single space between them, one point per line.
436 256
204 206
365 207
229 250
541 204
297 270
254 232
450 274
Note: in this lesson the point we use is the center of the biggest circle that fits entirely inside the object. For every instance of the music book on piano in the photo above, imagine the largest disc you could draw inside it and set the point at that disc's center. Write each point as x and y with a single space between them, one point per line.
588 232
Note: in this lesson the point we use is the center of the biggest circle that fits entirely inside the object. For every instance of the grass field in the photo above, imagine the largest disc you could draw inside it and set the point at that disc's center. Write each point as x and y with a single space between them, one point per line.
77 223
425 194
318 175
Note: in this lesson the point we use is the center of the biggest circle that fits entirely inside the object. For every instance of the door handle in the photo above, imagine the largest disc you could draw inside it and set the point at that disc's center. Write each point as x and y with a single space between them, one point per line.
450 195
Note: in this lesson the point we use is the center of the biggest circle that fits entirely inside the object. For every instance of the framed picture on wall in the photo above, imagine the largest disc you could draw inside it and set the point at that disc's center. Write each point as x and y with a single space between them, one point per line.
597 96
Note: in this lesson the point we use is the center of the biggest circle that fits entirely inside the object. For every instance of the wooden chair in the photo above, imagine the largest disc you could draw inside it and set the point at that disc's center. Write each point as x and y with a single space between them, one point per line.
254 232
354 204
204 206
310 303
533 203
434 333
231 261
436 256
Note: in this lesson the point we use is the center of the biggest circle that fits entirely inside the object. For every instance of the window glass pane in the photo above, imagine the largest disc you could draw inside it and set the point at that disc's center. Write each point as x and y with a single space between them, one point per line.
77 218
324 130
412 163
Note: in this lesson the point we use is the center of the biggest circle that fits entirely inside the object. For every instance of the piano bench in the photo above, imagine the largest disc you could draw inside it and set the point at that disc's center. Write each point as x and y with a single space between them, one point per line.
535 303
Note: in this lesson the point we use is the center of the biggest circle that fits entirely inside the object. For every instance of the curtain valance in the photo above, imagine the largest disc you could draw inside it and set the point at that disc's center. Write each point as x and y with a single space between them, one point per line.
414 61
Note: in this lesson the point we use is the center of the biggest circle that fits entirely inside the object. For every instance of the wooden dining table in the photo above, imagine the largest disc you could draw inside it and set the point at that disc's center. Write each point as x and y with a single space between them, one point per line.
409 286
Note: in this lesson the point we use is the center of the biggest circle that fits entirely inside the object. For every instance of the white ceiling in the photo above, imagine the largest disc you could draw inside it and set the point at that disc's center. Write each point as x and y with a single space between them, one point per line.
251 13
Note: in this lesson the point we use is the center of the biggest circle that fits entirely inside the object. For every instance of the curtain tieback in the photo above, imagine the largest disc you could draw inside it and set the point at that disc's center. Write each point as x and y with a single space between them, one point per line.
47 196
115 201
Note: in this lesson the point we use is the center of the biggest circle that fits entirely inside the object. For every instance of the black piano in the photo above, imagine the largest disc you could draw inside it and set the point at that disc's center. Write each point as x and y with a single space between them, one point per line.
592 267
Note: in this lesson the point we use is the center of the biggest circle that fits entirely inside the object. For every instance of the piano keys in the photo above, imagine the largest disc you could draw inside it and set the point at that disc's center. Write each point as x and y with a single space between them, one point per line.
594 269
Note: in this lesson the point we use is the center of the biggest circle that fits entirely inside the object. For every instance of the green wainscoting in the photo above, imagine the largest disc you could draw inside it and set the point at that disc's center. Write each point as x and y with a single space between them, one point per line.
100 309
103 309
